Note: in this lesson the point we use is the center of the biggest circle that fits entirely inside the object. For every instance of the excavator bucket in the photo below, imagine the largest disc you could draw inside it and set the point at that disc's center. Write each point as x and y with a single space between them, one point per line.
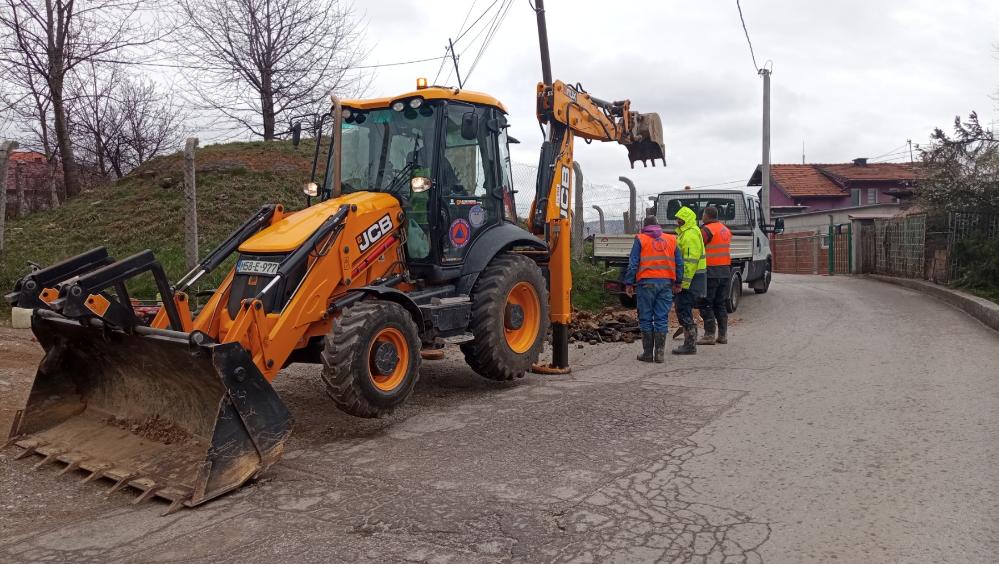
173 416
646 143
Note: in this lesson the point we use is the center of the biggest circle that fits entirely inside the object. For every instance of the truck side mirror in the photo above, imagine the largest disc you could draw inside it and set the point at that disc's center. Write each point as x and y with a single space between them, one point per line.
296 133
469 126
778 225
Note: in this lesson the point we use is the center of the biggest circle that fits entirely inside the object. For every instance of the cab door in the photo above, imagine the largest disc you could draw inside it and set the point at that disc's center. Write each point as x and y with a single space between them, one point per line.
467 179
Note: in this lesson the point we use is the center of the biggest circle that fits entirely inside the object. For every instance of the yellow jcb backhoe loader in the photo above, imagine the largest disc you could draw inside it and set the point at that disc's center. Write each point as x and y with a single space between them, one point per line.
410 239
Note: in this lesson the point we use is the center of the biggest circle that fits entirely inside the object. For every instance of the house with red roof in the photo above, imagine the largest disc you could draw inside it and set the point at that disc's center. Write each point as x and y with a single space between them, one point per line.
810 188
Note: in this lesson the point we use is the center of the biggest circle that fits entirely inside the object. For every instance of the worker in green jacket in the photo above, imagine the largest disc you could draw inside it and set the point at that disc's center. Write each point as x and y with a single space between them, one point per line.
694 285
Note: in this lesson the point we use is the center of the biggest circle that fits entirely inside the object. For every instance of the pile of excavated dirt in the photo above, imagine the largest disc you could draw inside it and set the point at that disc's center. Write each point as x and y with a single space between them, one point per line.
615 324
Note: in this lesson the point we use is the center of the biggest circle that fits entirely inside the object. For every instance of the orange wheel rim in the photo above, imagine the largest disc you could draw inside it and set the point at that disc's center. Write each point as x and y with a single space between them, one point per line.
522 317
389 381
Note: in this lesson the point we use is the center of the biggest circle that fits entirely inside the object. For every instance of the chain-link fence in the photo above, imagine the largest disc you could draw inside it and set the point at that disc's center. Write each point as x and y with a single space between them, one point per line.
895 247
973 249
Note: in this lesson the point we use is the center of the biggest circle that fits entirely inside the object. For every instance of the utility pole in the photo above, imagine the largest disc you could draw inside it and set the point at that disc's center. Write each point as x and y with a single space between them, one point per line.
765 193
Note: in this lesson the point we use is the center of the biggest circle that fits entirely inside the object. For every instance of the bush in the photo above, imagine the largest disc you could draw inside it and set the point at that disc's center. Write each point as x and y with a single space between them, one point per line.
977 265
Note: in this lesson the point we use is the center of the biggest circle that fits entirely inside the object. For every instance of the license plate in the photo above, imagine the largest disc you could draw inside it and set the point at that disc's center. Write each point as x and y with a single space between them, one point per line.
260 267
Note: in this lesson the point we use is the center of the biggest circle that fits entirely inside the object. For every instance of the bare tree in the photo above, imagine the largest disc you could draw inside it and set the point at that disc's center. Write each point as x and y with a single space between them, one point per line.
123 122
259 62
50 38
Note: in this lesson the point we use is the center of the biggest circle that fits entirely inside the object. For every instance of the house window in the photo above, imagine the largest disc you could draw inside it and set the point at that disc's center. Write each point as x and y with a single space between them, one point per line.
855 197
872 196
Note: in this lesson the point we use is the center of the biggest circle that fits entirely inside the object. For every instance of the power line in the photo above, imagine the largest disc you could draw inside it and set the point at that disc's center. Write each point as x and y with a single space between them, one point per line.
746 31
498 21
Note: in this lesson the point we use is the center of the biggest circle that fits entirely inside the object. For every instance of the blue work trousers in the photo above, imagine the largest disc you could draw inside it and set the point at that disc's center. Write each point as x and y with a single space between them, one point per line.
654 301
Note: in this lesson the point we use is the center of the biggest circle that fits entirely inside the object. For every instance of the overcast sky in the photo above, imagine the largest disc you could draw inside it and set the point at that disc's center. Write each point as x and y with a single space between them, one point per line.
851 78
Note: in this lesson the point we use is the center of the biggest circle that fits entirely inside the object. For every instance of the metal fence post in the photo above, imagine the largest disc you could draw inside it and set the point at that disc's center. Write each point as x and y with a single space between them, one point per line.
849 248
190 205
831 241
5 151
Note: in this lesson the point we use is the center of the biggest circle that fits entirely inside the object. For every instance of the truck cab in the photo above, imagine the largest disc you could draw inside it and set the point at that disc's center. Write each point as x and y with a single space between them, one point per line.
738 209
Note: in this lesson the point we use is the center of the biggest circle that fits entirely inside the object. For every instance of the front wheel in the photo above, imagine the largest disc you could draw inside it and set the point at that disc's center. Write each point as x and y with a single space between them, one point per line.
509 318
767 276
371 358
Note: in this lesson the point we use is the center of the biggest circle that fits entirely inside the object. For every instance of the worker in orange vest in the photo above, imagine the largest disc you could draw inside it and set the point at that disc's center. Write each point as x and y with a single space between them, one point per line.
656 268
718 252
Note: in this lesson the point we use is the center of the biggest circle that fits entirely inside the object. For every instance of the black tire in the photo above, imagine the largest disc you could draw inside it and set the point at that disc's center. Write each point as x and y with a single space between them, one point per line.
734 292
627 301
767 277
347 358
490 354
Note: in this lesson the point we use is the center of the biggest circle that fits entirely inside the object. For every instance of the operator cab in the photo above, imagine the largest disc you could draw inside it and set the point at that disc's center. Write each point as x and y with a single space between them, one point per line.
443 153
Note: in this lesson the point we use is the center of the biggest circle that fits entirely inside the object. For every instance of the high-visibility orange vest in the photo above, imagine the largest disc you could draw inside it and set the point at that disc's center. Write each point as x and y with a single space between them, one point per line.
719 251
658 258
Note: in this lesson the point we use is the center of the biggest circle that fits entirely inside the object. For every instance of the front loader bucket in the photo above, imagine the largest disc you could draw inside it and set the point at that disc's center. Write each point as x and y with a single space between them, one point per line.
646 140
149 410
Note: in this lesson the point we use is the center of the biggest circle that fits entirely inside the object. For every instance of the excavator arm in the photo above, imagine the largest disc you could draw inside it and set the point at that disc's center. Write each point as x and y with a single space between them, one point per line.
569 112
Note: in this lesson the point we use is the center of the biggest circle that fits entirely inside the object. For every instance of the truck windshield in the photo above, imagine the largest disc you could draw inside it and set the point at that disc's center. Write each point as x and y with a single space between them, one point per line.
731 207
383 149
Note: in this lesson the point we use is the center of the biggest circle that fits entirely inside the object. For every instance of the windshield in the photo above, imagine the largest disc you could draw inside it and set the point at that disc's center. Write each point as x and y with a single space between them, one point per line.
731 207
383 149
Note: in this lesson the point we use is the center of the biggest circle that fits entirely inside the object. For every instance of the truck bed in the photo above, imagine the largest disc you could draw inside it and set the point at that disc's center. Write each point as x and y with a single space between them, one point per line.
615 249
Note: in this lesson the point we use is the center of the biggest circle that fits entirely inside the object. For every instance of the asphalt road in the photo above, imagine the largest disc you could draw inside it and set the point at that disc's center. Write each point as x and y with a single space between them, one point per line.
847 421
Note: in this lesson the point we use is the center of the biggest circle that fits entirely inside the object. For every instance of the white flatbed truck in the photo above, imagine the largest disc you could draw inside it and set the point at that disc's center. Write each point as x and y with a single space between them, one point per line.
738 209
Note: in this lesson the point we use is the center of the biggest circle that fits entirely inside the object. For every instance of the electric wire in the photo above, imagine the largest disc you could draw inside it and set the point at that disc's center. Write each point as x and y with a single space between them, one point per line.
756 67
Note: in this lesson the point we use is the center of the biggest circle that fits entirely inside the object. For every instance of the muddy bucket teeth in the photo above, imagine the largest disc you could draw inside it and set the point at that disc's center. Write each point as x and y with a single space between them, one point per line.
149 411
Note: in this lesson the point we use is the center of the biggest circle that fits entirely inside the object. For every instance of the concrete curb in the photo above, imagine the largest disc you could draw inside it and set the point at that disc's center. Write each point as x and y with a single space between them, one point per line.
979 308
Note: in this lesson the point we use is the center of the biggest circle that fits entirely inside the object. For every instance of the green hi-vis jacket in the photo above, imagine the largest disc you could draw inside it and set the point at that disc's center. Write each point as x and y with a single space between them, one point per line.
688 238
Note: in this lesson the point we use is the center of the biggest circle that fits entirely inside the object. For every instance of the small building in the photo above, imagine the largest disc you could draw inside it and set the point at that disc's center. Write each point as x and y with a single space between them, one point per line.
815 188
31 169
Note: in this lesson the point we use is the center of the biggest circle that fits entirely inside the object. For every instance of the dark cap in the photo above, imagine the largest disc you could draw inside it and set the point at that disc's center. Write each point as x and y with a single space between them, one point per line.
650 220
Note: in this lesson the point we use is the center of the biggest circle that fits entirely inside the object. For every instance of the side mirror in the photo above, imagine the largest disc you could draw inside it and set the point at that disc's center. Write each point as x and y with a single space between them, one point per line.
296 133
778 225
469 126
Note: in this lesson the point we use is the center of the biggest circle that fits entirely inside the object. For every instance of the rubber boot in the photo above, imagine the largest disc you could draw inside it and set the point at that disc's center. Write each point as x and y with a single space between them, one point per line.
660 354
722 332
648 341
689 345
709 332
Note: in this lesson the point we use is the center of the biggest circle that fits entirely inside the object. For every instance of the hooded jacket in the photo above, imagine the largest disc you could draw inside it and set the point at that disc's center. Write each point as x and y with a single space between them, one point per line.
635 259
691 245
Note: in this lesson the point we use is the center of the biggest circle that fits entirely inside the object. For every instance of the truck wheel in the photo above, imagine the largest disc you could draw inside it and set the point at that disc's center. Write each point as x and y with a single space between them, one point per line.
734 292
767 276
509 318
627 301
371 358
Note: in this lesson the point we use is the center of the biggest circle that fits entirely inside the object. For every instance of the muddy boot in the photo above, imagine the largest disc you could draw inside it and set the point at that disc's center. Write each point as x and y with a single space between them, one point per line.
647 344
660 354
709 332
689 345
722 332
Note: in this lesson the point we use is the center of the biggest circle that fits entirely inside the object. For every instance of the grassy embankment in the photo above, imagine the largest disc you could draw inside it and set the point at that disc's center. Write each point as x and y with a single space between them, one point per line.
145 211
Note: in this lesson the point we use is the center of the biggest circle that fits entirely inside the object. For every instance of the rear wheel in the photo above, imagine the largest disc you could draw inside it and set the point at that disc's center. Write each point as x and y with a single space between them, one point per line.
509 318
734 292
371 358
